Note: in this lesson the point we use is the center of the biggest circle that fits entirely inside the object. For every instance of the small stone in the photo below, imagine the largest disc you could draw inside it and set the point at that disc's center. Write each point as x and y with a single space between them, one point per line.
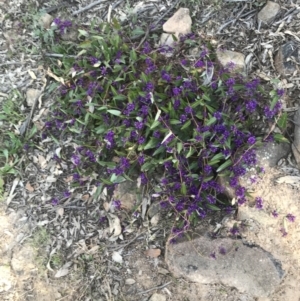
268 12
296 144
129 281
199 258
46 21
6 279
226 57
180 23
162 271
124 192
31 95
283 59
158 297
154 208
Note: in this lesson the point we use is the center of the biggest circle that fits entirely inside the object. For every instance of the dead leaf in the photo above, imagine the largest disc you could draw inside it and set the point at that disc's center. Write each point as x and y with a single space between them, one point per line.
64 270
85 197
31 73
60 211
114 224
68 179
29 187
153 253
117 257
42 161
106 206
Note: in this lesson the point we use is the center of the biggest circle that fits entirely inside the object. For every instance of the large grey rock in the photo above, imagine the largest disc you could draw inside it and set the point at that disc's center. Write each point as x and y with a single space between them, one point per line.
180 23
296 143
286 58
250 269
270 153
268 12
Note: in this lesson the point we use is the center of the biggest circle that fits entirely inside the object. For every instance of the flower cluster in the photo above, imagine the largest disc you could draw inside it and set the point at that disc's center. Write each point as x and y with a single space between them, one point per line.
134 111
62 25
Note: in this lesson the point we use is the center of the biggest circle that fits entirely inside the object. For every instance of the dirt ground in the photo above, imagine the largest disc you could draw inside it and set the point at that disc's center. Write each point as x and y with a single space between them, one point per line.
46 256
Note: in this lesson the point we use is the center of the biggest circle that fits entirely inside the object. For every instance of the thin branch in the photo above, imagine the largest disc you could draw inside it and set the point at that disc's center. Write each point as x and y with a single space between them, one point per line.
154 288
59 55
11 63
87 7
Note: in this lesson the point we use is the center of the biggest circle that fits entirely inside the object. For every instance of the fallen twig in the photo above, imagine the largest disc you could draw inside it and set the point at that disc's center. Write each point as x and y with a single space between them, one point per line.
128 243
87 7
154 288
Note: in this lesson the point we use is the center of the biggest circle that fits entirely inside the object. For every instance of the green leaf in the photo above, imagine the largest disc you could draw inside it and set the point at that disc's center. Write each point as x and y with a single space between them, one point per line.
183 188
174 121
213 207
151 143
120 97
107 182
187 124
211 121
146 166
133 55
159 150
114 112
191 151
179 147
280 138
274 101
115 92
155 124
224 165
282 121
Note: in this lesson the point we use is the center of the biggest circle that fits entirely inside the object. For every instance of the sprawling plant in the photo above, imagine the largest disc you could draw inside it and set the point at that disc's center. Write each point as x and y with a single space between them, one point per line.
178 123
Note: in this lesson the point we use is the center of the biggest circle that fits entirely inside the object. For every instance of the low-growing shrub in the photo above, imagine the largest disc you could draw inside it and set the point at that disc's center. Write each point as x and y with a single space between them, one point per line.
178 123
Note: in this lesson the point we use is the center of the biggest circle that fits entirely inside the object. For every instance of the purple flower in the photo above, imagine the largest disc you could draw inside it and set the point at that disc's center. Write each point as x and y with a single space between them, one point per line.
54 202
67 194
76 177
291 217
165 76
207 169
280 92
146 48
284 233
156 134
234 230
211 199
251 140
251 105
183 118
275 213
222 251
139 125
230 82
109 139
144 179
199 64
213 255
117 204
258 203
184 62
148 87
188 110
176 104
176 91
240 191
75 159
